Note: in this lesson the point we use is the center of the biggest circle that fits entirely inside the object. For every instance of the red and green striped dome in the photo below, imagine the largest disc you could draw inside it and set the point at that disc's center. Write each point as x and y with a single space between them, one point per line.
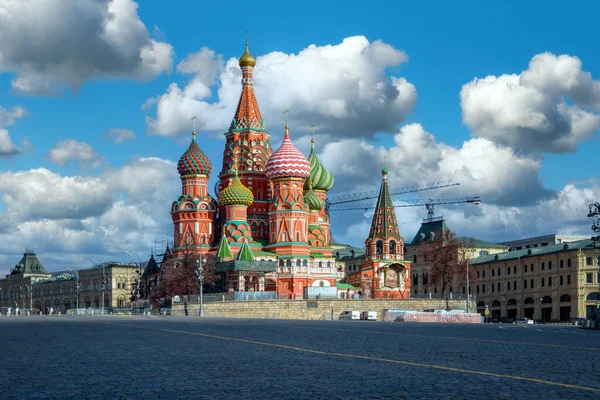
194 161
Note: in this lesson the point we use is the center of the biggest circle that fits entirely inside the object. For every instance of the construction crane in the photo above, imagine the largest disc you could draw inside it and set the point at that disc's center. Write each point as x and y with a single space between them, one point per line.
428 203
350 198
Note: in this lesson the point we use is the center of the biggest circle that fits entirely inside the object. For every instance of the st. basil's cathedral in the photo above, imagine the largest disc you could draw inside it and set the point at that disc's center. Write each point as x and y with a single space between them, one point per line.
268 230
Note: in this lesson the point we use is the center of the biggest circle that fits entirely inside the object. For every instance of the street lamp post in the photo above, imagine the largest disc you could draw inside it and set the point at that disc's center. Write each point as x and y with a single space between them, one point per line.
595 214
103 284
200 271
468 293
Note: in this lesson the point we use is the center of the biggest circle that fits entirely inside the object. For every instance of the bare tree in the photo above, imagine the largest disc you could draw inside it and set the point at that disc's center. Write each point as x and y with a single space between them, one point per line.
182 274
446 257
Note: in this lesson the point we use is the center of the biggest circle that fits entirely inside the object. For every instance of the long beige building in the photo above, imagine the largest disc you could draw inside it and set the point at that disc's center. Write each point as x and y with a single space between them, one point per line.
550 283
30 287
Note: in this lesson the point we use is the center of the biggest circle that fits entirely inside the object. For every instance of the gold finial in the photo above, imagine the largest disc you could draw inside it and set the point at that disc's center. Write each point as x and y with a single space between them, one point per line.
194 131
246 60
312 141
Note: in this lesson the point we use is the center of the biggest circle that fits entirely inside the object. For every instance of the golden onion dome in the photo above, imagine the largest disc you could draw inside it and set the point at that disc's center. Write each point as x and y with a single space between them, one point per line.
236 194
246 60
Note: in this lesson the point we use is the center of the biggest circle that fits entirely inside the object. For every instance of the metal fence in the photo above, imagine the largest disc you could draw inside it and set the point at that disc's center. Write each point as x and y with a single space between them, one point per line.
238 296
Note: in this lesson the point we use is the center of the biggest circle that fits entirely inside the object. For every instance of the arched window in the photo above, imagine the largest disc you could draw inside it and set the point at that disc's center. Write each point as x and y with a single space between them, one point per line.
288 263
496 303
546 300
565 298
593 296
305 263
298 263
392 247
528 300
281 263
328 264
481 304
379 247
512 302
320 264
483 253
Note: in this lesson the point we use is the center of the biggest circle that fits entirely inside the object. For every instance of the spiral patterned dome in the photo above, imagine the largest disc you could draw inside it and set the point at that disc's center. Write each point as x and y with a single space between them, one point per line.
194 161
320 177
287 161
236 194
314 202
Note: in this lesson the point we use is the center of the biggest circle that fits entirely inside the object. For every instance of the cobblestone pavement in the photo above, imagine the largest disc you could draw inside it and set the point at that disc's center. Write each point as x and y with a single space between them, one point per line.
106 357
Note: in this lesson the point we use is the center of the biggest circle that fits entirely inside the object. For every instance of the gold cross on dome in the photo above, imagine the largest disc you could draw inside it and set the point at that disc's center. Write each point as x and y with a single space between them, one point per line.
313 131
247 31
286 112
194 119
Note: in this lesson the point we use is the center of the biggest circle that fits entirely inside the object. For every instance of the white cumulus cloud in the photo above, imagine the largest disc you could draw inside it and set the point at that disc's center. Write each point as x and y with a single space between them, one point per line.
552 106
119 135
343 88
70 150
51 45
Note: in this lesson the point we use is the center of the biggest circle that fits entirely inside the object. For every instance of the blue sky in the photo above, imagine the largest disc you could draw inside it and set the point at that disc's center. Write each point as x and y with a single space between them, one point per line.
447 45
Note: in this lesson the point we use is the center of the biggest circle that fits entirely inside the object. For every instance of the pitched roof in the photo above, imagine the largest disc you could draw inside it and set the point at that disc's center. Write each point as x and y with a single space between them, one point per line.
384 222
533 252
430 228
29 265
224 249
151 267
480 243
245 254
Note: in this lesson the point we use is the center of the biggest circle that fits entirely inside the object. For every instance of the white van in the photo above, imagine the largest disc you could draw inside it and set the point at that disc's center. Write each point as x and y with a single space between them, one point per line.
350 315
368 315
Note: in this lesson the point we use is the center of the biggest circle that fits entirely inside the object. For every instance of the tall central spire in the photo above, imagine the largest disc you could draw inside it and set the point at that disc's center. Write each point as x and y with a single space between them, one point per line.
384 223
247 115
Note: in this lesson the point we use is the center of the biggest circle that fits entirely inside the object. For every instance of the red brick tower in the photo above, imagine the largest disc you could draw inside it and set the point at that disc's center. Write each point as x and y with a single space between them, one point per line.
247 150
194 212
385 273
287 169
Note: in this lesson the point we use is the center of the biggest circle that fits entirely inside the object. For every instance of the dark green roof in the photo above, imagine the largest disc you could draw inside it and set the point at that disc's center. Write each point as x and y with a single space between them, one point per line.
348 252
436 227
151 267
533 252
29 265
480 243
242 265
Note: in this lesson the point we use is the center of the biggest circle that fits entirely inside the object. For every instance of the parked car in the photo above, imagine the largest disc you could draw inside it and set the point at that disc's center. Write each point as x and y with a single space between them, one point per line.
577 321
524 321
350 315
368 315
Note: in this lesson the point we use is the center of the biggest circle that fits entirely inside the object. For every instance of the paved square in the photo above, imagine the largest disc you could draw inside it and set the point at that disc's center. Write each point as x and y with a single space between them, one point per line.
210 358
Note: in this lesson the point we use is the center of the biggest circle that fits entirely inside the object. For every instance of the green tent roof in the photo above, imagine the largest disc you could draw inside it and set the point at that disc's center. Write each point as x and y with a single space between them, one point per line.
224 249
245 253
341 285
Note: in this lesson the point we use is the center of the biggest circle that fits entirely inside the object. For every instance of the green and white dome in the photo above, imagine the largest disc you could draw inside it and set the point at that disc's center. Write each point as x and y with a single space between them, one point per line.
320 177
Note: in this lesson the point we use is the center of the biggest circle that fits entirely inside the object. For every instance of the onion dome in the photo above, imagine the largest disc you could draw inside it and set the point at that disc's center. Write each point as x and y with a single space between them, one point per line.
246 60
287 161
320 177
314 202
194 161
236 194
384 171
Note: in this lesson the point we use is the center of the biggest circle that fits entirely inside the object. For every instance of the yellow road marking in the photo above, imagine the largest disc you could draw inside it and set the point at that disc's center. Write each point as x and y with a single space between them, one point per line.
434 337
386 360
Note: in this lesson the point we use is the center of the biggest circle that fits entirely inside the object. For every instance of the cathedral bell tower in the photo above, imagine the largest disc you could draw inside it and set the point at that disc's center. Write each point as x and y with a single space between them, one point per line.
287 169
247 150
194 212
